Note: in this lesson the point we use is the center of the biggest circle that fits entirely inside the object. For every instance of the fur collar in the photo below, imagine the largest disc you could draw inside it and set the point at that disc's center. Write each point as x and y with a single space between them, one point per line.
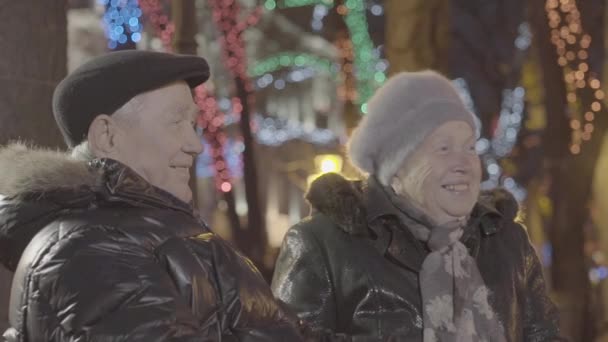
37 186
25 169
345 203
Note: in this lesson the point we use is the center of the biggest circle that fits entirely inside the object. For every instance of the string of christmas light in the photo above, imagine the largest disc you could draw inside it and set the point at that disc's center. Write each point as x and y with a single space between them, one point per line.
205 164
490 151
226 15
347 91
572 44
213 122
160 22
272 131
356 21
318 14
273 4
121 22
291 59
376 8
354 13
277 131
295 75
508 125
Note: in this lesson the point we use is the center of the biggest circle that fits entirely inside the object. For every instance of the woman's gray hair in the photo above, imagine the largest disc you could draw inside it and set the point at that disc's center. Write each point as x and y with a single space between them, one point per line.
128 114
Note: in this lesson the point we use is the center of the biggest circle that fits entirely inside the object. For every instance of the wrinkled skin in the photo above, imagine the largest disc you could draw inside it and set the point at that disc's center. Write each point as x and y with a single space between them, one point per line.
443 175
154 135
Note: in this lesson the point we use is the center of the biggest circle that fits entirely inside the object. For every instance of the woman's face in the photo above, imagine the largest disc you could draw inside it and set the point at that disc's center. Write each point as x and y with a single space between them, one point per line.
443 175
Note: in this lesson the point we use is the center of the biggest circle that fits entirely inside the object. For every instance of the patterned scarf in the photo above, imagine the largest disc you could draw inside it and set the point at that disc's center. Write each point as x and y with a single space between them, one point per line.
454 295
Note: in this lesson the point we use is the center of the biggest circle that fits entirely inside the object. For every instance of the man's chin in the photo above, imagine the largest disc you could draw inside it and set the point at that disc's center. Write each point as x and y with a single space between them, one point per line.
182 193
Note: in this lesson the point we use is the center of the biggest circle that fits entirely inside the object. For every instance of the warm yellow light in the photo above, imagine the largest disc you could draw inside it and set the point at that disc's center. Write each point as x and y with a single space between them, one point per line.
571 97
599 94
570 55
575 124
328 163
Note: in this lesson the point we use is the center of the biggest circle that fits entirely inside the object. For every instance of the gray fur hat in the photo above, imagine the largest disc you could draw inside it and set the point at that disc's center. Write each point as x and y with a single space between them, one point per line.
401 114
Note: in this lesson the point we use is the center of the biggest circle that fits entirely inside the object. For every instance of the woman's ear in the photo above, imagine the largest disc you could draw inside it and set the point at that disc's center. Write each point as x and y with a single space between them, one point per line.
102 136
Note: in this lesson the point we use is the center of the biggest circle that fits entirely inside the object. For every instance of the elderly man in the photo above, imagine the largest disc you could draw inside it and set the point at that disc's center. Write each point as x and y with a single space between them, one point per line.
104 242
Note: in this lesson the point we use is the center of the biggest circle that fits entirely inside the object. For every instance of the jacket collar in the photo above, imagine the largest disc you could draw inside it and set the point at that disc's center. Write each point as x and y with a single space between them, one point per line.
361 208
378 205
119 183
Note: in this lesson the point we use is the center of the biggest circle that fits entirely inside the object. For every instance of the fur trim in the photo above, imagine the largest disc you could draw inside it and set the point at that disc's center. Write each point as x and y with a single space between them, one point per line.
26 169
343 201
501 201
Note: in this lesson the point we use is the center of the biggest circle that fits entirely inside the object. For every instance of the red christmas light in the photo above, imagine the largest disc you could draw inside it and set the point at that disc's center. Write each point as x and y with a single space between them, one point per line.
211 119
163 27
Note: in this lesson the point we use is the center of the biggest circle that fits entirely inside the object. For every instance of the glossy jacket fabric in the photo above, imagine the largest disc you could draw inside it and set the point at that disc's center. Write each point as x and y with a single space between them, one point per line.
120 260
352 267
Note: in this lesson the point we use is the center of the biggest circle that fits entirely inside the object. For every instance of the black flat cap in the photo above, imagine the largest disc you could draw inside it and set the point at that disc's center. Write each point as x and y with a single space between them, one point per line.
106 83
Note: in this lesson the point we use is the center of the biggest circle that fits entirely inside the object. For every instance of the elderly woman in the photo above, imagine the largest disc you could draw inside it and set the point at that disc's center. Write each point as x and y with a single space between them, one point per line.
415 252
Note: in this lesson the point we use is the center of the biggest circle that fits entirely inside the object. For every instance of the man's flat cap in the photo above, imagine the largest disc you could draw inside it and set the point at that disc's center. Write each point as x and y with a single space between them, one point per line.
106 83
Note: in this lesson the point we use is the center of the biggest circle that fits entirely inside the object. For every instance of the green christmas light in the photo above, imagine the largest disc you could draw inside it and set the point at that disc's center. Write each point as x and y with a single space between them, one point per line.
285 60
364 108
272 4
367 78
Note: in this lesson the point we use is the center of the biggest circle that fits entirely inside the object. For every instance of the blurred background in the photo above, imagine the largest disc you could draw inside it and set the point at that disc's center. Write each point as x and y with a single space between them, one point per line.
291 78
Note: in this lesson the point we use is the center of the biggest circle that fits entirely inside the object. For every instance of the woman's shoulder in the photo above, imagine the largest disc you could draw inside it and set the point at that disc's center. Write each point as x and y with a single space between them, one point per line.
316 228
501 213
338 203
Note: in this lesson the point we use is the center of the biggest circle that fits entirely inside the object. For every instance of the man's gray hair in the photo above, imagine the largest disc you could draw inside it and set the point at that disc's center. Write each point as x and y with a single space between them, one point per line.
83 152
127 114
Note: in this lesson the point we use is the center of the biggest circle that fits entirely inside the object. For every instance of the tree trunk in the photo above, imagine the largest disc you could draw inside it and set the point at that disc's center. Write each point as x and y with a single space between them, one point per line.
184 19
32 62
256 225
571 177
33 37
417 35
231 24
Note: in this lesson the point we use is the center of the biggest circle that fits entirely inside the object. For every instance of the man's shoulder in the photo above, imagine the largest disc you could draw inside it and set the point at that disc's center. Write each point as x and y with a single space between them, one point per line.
65 236
114 230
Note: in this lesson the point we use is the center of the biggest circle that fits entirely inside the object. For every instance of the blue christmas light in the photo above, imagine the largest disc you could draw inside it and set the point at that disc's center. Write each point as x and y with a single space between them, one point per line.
121 21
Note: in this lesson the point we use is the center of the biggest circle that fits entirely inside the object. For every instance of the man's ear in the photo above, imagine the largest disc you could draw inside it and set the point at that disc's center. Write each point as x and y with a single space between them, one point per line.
102 136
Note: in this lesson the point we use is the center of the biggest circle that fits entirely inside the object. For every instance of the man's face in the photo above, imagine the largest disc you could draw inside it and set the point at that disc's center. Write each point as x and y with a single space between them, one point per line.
443 175
161 143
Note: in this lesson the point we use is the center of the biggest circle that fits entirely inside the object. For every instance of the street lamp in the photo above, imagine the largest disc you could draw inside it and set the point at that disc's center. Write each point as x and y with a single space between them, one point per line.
325 163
